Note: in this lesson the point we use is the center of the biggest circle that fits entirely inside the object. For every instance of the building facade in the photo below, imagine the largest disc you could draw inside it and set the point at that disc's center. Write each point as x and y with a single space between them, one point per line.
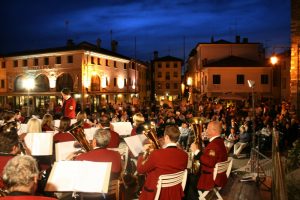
167 78
221 69
95 76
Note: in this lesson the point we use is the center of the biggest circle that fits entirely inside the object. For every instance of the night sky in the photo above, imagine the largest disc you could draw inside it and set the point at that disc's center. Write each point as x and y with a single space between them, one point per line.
154 25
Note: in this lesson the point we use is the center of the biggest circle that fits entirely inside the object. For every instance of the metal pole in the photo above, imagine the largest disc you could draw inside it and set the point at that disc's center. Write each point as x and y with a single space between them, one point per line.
28 111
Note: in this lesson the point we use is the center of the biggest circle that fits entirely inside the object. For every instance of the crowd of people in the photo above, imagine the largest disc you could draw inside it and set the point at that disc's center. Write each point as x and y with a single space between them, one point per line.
226 129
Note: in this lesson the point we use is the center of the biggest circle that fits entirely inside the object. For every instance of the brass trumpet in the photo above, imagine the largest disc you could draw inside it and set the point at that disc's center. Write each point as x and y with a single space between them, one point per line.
150 132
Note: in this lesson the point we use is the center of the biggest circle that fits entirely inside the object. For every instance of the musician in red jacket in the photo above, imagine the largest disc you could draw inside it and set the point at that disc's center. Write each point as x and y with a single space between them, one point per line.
166 160
213 153
100 153
114 137
20 175
69 104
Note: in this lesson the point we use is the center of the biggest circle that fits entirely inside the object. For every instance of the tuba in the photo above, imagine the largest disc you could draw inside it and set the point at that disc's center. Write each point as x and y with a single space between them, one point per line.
196 123
77 131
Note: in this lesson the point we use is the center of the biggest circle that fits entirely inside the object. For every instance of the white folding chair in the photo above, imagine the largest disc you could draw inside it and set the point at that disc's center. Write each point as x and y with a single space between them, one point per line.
169 180
220 167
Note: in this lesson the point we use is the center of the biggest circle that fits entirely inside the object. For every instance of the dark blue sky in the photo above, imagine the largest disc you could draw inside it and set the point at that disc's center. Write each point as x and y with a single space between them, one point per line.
156 25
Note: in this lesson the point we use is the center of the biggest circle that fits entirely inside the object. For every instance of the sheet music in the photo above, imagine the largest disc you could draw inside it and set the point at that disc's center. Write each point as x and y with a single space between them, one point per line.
22 129
69 176
89 132
122 128
63 150
40 144
135 143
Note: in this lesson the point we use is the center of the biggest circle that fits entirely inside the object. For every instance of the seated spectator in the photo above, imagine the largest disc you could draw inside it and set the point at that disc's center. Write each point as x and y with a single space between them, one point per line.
100 153
230 140
244 138
20 175
47 123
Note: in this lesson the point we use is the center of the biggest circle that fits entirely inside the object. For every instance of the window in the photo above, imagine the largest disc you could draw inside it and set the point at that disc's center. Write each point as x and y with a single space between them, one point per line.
3 64
264 79
125 66
36 62
167 75
167 65
175 65
216 79
70 59
159 65
133 65
240 79
25 64
58 60
125 82
175 74
46 61
115 64
159 75
15 63
175 85
106 62
167 85
115 81
92 60
2 83
99 61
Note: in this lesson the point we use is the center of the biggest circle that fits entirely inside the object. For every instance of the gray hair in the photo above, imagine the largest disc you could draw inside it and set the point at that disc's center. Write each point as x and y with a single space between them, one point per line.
20 171
102 137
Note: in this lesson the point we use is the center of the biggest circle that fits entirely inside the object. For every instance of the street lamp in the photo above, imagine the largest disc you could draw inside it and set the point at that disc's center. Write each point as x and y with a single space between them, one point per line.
251 84
28 84
274 61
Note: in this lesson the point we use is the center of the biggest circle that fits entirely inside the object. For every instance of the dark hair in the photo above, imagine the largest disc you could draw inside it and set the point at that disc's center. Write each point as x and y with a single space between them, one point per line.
66 91
8 137
65 123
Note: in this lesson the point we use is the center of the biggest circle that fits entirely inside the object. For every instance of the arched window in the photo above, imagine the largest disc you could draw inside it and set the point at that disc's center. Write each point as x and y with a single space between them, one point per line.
64 81
19 87
95 83
41 83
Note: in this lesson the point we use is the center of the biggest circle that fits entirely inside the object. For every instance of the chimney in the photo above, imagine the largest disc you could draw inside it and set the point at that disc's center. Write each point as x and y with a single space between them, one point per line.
155 53
212 39
70 43
237 39
245 40
98 43
114 45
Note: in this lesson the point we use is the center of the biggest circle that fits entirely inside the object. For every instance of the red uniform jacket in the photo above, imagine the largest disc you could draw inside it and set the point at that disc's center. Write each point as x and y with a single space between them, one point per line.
63 137
214 152
104 155
114 140
46 128
133 131
4 158
69 108
162 161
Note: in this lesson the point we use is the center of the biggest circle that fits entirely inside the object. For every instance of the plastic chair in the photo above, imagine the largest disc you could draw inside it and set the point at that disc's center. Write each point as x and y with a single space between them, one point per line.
220 167
169 180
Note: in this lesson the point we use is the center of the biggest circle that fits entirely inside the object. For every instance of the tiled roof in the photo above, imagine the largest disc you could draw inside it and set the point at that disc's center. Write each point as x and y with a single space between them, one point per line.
168 58
81 46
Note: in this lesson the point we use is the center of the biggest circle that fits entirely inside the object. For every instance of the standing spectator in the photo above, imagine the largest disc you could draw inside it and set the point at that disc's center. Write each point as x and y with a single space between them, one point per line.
69 104
185 132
